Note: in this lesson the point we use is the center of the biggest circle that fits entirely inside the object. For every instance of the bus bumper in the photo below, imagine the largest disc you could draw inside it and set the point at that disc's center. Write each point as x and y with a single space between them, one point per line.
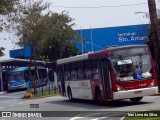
135 93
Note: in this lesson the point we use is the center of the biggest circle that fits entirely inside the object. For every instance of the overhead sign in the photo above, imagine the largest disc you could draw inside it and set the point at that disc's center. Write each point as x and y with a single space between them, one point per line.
99 38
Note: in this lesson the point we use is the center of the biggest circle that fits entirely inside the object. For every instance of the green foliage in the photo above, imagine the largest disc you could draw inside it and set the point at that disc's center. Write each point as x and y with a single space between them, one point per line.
49 34
7 6
46 93
61 41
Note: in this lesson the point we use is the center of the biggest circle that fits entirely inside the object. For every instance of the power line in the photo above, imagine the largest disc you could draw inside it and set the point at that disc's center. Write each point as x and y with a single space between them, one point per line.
112 6
100 6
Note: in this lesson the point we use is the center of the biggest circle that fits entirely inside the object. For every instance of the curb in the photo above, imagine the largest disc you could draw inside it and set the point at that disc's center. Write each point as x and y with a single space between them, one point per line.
45 96
41 96
4 92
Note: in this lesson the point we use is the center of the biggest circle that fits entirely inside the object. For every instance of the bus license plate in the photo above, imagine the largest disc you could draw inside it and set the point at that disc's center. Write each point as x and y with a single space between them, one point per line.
138 92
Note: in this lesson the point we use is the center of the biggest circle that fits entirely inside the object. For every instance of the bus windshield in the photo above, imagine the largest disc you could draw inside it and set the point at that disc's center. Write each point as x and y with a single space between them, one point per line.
132 67
15 77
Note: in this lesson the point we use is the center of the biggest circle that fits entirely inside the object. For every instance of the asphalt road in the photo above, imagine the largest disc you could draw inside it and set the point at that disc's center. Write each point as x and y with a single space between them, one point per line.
61 109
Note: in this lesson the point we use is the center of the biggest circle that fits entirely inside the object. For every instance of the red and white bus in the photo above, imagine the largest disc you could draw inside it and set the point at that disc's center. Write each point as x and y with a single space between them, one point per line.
115 73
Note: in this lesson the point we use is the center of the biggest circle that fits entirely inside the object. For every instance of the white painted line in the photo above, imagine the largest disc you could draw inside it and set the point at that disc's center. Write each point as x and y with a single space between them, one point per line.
6 101
75 118
122 118
98 118
1 107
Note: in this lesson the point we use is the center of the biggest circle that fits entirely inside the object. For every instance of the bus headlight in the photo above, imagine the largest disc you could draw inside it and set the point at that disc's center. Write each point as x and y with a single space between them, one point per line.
119 88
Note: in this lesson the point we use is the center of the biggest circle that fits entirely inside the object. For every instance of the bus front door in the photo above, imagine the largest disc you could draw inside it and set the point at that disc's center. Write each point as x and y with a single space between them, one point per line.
106 82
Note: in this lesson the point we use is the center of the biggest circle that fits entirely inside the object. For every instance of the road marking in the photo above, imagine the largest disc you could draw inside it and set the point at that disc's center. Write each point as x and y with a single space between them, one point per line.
6 101
85 115
75 118
98 118
122 118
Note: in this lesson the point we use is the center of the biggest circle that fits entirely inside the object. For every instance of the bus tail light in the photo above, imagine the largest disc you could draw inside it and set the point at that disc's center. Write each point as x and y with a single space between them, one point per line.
152 84
119 88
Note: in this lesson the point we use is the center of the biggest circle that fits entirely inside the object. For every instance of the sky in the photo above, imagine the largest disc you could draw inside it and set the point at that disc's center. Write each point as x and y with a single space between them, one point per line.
92 14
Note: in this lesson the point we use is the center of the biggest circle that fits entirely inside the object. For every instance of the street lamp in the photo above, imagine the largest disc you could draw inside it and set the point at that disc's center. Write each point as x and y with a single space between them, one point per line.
94 45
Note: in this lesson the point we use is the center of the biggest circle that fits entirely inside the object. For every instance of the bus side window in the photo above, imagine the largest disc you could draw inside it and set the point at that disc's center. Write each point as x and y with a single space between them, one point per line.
73 71
95 69
67 70
80 70
87 65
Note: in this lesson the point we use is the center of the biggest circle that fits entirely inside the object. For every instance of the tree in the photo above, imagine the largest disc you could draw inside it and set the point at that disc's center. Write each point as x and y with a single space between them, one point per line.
6 6
47 33
61 41
30 25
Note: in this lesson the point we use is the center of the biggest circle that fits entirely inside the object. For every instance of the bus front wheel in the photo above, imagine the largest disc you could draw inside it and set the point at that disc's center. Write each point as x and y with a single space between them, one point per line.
137 99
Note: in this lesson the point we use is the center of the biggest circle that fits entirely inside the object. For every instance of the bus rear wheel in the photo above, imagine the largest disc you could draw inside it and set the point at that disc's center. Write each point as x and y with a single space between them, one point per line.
137 99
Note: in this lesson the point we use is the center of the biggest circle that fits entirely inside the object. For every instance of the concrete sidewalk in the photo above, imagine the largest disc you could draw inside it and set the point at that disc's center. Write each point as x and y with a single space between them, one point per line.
3 92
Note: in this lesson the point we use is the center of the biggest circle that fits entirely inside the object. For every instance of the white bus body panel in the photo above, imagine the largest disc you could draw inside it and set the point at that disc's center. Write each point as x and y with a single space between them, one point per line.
81 89
135 93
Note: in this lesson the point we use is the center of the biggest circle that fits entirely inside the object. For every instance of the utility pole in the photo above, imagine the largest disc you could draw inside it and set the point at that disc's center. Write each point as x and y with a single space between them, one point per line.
155 38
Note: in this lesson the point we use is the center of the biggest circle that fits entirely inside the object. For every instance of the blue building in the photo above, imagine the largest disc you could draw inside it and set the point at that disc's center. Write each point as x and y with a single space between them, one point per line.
99 38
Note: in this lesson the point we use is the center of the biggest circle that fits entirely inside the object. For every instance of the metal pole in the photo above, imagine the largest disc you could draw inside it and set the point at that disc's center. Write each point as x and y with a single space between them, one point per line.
91 38
155 34
82 39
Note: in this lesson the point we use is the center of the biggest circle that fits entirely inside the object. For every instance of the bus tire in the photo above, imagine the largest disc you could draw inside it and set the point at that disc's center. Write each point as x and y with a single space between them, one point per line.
70 94
98 96
137 99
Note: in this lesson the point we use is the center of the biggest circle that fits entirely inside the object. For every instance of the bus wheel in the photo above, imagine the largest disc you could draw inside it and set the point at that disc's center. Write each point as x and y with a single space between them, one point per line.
98 97
70 95
136 99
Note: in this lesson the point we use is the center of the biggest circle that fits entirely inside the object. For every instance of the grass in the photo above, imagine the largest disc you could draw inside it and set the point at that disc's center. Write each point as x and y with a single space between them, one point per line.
145 115
46 93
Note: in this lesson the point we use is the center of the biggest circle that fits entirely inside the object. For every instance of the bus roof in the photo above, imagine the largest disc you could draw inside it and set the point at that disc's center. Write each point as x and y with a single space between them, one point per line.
18 69
86 55
74 58
119 47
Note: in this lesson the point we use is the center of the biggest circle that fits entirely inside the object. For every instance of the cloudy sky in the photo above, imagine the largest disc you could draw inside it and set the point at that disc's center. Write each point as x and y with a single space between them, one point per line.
94 14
